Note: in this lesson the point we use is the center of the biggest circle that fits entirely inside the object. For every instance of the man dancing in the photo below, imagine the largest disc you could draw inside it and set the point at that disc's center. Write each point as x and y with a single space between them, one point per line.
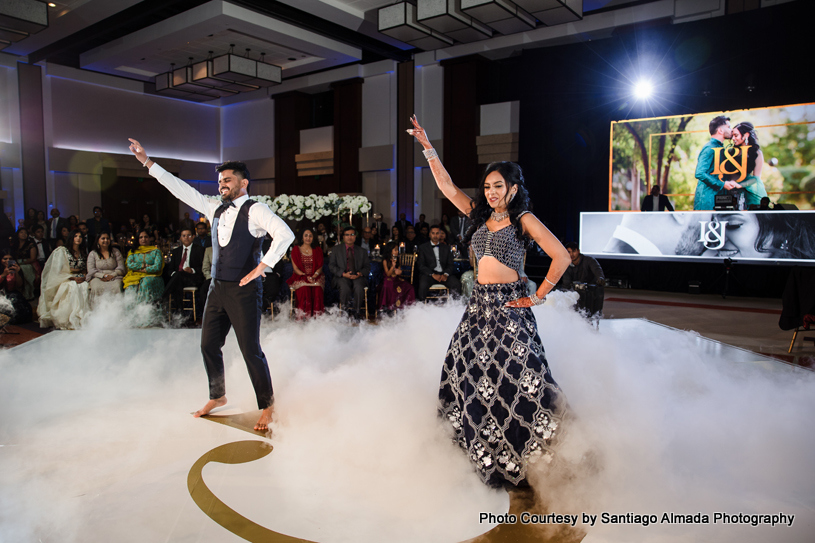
235 293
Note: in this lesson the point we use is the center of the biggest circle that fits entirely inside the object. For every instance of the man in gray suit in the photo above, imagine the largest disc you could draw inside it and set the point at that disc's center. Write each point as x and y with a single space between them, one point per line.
349 267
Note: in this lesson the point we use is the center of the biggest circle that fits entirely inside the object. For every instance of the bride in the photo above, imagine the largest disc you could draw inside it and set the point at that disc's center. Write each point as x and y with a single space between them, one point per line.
496 388
64 293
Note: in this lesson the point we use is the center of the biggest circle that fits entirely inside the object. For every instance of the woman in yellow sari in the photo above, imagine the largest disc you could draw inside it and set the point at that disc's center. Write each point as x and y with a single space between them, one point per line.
144 265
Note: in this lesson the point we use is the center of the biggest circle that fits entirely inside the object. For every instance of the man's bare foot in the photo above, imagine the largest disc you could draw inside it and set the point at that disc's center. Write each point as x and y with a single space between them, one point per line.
264 420
209 406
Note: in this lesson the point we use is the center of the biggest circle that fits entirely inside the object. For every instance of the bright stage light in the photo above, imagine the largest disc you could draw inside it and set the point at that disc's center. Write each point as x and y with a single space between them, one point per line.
643 89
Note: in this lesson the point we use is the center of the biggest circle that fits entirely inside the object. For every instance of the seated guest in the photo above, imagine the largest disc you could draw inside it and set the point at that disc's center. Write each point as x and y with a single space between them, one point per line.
18 310
366 241
25 253
424 235
349 267
656 201
325 239
144 264
62 238
73 222
396 235
411 243
421 223
64 294
583 269
396 290
106 267
206 269
202 237
435 265
83 227
402 223
42 245
185 270
443 236
307 281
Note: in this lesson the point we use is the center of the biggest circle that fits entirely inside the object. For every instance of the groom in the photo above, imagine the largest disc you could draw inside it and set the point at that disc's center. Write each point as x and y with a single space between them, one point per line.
235 293
710 185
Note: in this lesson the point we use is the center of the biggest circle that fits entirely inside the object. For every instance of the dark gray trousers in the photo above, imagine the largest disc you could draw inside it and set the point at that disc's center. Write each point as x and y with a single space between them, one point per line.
229 305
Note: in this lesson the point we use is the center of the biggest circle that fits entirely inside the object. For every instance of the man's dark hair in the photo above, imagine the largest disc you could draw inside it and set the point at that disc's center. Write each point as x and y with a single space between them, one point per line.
239 168
186 230
347 228
572 245
99 208
432 226
716 122
80 223
201 224
37 227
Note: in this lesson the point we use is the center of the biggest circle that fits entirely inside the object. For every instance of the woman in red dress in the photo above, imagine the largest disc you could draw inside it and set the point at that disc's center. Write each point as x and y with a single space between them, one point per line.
307 282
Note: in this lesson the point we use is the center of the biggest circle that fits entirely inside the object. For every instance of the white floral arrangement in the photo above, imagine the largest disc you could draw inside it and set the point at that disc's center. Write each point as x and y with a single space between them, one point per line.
314 206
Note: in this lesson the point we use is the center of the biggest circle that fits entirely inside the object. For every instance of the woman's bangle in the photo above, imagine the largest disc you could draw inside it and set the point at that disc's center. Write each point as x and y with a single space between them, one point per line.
430 154
535 299
145 162
548 281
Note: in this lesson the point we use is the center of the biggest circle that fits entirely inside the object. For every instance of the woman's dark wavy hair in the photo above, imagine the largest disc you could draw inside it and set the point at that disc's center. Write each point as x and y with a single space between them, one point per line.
300 234
69 243
751 139
513 176
784 236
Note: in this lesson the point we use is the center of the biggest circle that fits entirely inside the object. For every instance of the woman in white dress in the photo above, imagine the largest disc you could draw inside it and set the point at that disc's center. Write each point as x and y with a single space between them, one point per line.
64 296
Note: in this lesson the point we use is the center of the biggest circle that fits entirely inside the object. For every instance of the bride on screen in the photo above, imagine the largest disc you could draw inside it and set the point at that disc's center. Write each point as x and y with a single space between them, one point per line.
753 189
496 388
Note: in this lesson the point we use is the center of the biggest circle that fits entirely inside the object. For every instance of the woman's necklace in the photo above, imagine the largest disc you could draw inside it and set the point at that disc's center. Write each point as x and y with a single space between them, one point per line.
498 217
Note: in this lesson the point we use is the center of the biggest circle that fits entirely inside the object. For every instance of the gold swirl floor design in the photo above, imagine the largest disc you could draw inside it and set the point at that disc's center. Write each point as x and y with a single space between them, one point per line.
241 452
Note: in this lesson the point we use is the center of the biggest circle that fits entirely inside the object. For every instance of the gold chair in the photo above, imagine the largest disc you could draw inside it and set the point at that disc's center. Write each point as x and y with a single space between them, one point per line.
187 302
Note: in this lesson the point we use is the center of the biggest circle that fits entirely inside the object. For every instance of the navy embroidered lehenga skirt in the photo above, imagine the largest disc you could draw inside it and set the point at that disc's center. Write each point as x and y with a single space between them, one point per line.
496 388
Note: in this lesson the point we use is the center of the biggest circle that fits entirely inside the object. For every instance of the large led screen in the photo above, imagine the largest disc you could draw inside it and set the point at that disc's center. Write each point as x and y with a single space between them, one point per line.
757 237
666 151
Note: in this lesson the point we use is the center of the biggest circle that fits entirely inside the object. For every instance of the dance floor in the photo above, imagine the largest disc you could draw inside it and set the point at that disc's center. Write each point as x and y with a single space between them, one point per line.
97 442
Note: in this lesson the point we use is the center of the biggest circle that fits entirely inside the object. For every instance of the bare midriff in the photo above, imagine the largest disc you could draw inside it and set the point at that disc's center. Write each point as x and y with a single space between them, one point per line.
491 271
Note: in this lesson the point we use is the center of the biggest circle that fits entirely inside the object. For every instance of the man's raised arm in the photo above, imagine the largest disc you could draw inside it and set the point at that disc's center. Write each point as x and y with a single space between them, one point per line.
176 186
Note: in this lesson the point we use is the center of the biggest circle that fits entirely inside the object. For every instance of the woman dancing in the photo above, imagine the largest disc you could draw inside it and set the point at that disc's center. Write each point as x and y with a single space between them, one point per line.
496 388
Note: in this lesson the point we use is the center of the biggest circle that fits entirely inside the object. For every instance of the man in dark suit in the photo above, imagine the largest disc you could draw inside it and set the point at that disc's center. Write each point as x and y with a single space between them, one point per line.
656 201
55 224
202 238
402 224
349 267
421 223
96 225
458 227
43 247
185 270
380 230
435 265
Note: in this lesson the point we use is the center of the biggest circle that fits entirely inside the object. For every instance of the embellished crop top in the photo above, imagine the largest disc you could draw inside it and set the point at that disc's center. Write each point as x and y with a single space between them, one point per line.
502 244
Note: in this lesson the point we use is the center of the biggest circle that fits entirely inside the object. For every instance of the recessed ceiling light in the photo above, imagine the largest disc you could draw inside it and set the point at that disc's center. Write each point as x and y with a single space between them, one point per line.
51 5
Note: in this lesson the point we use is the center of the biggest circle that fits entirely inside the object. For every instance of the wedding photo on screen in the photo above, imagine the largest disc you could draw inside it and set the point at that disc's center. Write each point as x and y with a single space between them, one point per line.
689 161
758 237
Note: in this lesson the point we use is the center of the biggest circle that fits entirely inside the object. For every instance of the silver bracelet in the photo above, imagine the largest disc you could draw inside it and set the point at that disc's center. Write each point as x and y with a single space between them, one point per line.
548 281
535 299
145 162
430 154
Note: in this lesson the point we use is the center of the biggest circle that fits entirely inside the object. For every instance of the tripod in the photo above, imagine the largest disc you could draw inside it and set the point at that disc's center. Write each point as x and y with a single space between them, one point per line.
726 274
